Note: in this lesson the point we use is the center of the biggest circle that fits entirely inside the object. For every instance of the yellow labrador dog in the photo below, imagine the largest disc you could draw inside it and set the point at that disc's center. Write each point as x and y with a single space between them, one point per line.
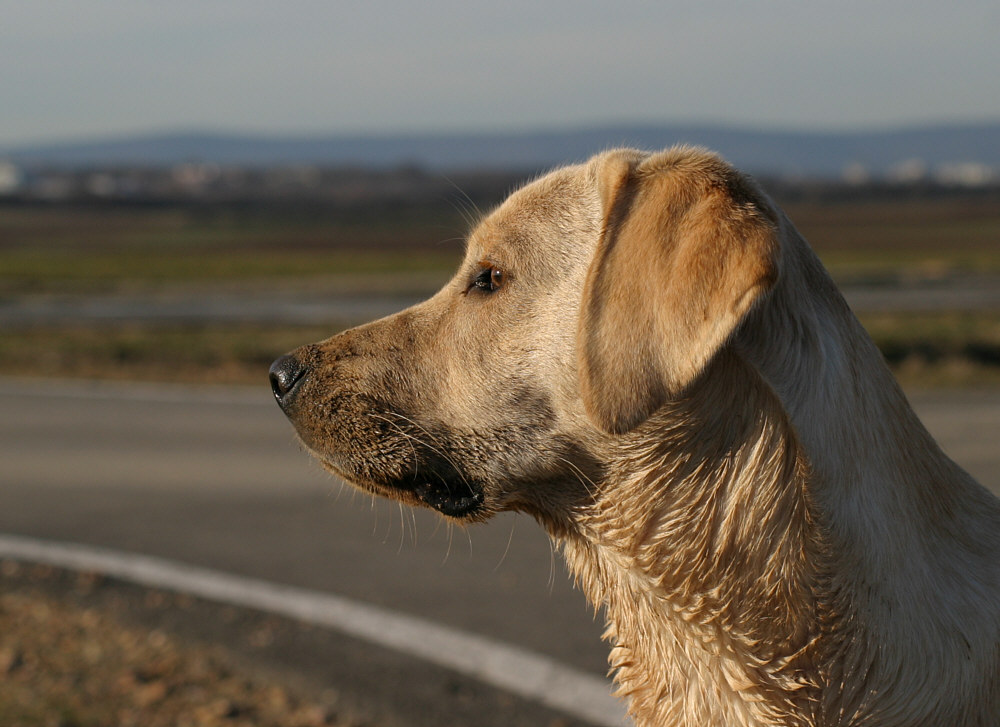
642 353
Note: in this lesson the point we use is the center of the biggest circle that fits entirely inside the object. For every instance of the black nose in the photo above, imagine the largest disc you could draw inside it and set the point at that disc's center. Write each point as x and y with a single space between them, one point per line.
286 373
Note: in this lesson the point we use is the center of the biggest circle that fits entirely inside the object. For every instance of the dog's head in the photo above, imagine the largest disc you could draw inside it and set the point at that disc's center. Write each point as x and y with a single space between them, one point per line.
586 301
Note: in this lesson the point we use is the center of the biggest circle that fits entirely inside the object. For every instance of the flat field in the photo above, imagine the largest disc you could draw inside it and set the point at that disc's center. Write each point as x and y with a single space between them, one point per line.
91 250
102 248
99 247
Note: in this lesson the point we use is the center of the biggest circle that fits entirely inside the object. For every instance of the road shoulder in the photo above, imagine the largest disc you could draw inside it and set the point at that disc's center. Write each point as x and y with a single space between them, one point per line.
373 686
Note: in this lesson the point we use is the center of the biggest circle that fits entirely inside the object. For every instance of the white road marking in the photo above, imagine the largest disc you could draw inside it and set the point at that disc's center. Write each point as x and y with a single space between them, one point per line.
513 669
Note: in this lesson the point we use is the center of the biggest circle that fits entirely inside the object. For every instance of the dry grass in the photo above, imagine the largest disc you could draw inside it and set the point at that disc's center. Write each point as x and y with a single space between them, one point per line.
953 348
411 249
68 665
96 248
211 354
942 349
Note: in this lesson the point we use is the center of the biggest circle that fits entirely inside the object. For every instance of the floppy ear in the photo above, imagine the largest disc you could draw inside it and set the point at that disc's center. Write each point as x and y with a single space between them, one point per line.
686 248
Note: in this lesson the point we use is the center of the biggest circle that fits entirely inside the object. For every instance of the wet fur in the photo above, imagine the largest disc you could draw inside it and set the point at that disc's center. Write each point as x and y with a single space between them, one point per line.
670 383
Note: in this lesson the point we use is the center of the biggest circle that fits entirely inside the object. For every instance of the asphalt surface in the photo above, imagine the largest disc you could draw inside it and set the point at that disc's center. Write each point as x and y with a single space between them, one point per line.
213 477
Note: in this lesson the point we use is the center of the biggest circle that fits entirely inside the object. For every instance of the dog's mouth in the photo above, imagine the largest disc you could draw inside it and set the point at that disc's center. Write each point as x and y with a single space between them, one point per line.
453 496
394 463
453 499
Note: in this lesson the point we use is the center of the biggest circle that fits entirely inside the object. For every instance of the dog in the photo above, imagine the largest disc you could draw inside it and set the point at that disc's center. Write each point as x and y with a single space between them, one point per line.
642 353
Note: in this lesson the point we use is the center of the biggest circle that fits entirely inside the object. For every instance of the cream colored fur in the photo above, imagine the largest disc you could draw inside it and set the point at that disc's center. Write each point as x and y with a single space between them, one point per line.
667 379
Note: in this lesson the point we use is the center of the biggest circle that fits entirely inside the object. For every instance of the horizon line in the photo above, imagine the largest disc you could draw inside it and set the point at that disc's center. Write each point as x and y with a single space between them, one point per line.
209 130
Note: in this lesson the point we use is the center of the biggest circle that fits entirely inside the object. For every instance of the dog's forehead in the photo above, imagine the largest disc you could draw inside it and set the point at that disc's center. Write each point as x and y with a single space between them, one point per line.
551 210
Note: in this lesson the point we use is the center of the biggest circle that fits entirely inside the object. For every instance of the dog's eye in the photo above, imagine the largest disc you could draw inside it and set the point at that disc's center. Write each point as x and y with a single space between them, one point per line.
489 280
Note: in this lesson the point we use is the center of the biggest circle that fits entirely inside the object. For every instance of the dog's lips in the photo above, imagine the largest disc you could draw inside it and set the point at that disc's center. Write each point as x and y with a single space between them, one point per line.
448 499
452 497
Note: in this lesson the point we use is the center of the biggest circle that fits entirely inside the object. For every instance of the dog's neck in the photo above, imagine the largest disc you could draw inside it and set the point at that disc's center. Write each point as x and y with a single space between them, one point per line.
701 548
897 517
874 468
844 404
774 523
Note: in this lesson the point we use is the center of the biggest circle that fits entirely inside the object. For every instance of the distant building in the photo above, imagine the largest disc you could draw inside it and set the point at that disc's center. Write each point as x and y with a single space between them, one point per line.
101 184
856 173
908 171
965 174
10 178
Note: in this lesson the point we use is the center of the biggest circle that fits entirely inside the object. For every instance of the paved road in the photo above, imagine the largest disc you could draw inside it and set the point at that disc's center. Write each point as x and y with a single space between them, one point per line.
213 477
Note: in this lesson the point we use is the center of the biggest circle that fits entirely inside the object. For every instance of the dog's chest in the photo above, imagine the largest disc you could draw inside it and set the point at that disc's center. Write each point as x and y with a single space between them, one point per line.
675 664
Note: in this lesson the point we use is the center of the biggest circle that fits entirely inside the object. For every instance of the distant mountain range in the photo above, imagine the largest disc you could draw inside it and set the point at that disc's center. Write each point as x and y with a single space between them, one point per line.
974 148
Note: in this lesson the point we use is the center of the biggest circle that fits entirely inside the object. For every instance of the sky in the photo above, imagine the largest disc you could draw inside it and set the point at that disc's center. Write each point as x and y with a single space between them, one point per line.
72 69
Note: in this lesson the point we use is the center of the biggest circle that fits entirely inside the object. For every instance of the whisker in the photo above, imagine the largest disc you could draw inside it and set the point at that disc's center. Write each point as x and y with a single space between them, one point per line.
468 536
335 491
591 487
438 522
580 475
552 567
402 528
469 206
374 511
436 450
451 534
413 523
408 437
510 539
388 528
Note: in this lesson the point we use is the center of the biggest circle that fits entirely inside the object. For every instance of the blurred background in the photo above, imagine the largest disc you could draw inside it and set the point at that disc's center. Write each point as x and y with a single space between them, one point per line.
187 191
190 189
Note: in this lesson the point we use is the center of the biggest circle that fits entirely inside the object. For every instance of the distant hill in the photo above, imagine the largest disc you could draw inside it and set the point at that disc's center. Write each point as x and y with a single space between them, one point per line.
764 152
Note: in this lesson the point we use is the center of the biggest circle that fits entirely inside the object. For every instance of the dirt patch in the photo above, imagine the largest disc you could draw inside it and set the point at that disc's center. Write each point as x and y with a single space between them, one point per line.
68 664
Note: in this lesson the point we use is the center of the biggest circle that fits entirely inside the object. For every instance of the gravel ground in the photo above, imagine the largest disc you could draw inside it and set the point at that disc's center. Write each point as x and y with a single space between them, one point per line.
71 658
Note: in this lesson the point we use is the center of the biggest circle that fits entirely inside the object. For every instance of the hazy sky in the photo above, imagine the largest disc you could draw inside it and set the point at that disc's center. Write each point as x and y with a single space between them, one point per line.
71 68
